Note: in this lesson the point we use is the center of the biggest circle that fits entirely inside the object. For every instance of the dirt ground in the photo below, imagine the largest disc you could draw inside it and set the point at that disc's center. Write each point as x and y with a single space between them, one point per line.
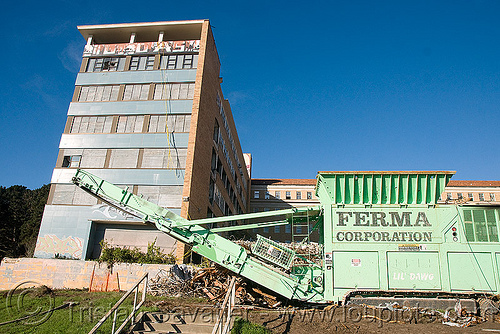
341 320
356 319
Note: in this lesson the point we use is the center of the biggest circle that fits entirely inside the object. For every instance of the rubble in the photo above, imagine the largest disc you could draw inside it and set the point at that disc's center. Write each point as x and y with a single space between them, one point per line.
173 283
211 283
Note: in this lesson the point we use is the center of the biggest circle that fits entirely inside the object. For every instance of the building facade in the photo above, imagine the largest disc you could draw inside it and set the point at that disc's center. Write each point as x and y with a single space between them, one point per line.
278 194
147 113
275 194
472 192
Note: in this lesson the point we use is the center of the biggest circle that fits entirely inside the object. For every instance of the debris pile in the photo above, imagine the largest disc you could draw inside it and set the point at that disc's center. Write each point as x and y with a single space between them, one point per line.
212 283
460 317
173 283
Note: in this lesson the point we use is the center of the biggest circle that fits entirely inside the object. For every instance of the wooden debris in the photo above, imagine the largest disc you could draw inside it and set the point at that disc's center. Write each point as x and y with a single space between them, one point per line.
211 283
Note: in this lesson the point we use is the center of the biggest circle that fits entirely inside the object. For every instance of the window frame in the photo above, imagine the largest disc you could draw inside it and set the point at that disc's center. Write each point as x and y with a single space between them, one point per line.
72 161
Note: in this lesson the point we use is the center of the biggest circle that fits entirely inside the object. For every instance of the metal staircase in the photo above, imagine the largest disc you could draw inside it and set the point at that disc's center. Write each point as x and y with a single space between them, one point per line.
157 322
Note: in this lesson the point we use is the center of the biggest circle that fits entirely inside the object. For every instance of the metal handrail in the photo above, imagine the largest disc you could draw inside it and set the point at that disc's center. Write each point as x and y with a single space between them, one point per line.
227 306
114 309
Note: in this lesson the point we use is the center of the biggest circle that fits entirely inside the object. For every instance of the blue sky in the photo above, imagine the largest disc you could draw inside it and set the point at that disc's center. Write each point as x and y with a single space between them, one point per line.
317 85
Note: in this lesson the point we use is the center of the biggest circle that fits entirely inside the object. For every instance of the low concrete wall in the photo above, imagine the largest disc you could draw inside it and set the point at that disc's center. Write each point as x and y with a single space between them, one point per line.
70 274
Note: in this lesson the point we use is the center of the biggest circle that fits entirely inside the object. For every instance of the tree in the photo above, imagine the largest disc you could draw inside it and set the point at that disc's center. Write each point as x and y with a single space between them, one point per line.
21 212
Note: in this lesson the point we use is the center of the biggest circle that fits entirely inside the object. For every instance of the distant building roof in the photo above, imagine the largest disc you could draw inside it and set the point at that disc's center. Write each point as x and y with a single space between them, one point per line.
312 182
461 183
295 182
430 172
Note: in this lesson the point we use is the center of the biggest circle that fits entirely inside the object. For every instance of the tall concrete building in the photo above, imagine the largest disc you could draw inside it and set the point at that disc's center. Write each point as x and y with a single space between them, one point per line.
147 113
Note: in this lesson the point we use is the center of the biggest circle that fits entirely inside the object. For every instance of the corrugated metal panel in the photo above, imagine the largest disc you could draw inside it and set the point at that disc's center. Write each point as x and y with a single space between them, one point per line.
406 187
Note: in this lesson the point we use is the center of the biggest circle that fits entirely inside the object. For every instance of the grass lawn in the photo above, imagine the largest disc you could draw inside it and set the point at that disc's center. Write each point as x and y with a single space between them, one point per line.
88 309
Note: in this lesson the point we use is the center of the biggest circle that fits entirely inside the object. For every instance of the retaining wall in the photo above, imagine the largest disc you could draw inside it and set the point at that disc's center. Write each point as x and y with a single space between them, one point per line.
70 274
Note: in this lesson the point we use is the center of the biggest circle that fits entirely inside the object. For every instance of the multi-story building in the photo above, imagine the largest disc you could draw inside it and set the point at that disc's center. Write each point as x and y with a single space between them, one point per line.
274 194
472 192
277 194
147 113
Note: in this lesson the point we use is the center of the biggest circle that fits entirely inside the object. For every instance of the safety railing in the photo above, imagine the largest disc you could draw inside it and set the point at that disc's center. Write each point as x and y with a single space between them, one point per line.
114 309
224 317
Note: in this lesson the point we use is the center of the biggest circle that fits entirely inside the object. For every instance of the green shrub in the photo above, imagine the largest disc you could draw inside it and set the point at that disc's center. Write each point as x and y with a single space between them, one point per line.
242 326
112 254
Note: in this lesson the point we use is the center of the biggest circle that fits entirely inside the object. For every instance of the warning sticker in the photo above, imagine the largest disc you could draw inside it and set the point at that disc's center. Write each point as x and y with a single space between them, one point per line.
356 262
411 247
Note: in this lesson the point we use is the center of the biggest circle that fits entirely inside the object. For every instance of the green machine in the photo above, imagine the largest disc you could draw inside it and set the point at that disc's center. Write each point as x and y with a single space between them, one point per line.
382 235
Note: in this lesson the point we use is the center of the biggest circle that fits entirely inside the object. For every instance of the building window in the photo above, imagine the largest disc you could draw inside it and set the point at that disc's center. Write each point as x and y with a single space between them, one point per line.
298 229
492 197
299 195
106 64
288 229
129 124
256 194
216 132
309 195
480 225
98 93
211 192
136 92
266 230
481 197
141 63
71 161
459 195
471 196
162 158
266 196
174 91
448 196
276 229
91 124
277 194
174 123
288 195
178 62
